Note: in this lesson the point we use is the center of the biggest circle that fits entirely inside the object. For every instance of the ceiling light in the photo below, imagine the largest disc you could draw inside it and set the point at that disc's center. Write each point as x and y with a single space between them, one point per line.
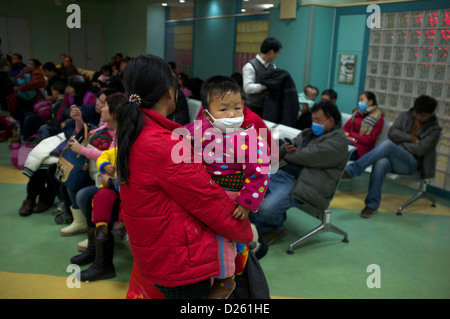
164 4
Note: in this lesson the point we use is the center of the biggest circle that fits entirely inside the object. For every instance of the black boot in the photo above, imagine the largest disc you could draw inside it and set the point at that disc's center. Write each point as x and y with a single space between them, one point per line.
103 267
88 256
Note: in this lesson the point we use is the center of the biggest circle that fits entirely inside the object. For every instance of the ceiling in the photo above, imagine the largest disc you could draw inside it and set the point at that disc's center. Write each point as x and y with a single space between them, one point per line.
250 5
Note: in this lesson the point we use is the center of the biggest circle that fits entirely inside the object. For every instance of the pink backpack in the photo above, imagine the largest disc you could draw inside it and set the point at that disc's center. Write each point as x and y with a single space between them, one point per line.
44 109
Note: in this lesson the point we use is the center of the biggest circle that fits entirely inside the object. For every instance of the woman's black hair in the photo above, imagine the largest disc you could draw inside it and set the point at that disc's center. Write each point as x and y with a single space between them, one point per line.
78 82
36 63
114 100
149 77
371 96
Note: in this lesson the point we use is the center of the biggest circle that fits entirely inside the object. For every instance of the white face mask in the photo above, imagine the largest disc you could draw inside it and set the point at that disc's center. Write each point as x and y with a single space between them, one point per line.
227 124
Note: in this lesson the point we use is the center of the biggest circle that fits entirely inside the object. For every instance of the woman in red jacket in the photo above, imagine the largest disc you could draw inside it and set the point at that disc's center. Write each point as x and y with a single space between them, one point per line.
366 124
171 209
27 91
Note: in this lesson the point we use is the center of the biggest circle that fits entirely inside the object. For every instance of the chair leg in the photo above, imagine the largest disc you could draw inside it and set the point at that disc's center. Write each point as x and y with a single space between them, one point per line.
339 231
314 232
422 194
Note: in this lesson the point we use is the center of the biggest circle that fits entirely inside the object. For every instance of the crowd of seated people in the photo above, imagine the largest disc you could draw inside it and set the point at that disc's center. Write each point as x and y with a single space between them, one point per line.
308 162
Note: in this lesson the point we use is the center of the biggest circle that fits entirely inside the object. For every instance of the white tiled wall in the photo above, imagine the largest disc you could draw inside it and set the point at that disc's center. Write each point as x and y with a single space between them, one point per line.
409 56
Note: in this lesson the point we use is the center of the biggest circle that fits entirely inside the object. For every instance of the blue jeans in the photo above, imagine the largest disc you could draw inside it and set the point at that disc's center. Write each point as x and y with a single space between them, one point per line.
83 196
386 157
272 213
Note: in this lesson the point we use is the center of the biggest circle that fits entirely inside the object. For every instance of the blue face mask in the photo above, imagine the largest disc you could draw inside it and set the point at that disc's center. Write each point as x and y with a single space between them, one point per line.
362 106
317 129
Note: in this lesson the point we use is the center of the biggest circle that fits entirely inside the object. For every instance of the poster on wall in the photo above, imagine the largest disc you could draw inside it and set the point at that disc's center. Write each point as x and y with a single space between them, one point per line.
347 64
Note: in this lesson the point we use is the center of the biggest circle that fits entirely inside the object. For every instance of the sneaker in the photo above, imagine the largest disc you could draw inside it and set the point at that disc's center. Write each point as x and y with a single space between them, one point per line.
63 218
60 207
367 212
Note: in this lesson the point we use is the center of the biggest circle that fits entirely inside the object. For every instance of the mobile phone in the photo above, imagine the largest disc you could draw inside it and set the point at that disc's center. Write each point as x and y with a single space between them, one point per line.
288 140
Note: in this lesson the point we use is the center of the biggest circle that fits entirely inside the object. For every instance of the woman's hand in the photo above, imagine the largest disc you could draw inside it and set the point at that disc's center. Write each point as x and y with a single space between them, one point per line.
75 114
240 212
352 139
74 145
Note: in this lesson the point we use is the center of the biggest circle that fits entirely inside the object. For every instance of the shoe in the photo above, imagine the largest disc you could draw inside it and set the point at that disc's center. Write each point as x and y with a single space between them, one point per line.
346 176
222 288
88 256
63 218
271 237
78 226
368 212
103 267
27 207
40 207
60 207
82 245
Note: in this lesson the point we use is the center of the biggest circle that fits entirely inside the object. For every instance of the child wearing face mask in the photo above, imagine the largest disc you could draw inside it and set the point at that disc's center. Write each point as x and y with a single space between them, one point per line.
365 125
237 160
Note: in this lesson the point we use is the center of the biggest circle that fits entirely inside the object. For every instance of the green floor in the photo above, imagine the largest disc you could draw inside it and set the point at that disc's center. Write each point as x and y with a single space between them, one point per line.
412 250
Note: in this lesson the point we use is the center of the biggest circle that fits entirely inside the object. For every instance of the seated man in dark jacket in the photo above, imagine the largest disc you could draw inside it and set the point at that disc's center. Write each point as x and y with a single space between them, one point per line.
309 171
411 145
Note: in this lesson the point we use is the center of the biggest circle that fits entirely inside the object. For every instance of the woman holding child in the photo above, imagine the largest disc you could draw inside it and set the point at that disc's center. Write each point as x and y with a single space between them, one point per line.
171 210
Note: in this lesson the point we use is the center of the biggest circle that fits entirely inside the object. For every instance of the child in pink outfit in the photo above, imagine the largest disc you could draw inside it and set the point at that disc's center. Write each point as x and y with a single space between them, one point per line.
237 160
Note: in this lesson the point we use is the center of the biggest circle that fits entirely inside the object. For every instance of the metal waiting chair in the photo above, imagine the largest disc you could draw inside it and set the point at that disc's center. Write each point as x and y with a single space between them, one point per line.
323 215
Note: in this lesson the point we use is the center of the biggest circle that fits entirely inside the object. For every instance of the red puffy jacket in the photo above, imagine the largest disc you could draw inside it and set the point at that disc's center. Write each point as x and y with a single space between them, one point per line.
172 211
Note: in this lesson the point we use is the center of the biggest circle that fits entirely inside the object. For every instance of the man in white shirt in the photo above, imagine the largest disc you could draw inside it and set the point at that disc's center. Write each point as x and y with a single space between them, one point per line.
251 72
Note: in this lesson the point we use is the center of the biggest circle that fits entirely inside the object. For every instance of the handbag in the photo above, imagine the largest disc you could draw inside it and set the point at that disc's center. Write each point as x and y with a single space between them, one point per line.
72 168
19 152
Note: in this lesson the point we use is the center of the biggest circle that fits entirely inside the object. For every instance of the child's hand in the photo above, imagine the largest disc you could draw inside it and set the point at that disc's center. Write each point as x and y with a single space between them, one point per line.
104 179
110 169
240 212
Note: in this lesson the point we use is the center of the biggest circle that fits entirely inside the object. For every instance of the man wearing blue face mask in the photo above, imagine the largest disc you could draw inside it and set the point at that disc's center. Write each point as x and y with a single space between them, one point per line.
310 168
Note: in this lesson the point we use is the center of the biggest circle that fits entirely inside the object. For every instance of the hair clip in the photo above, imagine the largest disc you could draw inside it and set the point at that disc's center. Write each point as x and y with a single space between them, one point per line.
135 98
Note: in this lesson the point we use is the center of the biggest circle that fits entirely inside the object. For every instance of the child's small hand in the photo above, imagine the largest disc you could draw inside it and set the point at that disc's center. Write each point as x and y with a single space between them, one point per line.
104 179
240 212
110 169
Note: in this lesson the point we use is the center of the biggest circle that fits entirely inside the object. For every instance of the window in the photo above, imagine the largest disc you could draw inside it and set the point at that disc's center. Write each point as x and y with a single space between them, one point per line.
250 34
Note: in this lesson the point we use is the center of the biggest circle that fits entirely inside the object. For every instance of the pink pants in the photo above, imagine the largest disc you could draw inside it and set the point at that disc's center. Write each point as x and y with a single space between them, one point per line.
226 251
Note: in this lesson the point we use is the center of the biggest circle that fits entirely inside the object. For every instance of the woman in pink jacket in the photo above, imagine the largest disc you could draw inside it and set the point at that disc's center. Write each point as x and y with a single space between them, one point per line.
171 209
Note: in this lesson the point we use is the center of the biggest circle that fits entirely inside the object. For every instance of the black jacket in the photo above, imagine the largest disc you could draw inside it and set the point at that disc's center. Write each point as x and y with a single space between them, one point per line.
281 102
